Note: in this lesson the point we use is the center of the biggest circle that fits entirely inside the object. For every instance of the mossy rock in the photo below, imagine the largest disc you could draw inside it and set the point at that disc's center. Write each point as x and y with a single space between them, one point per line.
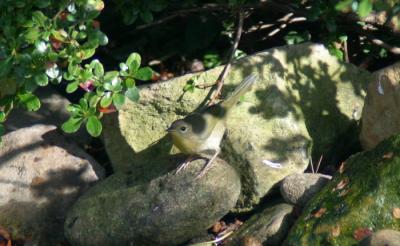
362 197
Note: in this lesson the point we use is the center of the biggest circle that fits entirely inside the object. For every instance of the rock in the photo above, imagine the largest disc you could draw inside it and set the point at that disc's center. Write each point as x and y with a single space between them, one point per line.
361 198
381 113
302 92
382 238
41 175
166 210
53 111
299 188
268 227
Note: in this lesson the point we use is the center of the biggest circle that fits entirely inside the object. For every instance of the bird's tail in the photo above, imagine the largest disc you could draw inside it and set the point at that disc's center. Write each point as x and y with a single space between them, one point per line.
240 90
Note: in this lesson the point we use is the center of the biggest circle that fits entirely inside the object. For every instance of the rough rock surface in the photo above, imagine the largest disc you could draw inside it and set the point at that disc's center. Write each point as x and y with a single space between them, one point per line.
361 198
299 188
381 112
53 111
268 227
167 210
41 175
382 238
304 97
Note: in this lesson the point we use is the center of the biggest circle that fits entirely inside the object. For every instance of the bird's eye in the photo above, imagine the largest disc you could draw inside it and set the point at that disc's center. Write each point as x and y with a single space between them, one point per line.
183 128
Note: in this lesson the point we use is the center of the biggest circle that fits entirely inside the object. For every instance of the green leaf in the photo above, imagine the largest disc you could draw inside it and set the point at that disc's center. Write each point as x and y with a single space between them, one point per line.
71 87
98 69
343 5
106 100
84 104
144 73
190 86
74 109
336 52
93 126
30 101
42 3
2 117
133 94
129 82
103 39
118 100
32 35
130 18
5 66
146 16
133 62
72 125
39 18
2 130
110 76
364 8
41 79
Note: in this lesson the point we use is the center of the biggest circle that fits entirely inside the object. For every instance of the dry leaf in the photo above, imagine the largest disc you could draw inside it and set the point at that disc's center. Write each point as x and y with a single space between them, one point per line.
344 192
342 167
361 233
335 231
217 227
250 241
388 155
396 213
4 234
319 213
342 183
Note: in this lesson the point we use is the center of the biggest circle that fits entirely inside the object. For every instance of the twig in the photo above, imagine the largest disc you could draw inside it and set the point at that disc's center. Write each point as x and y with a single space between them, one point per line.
346 52
393 49
220 81
312 165
319 163
270 4
204 86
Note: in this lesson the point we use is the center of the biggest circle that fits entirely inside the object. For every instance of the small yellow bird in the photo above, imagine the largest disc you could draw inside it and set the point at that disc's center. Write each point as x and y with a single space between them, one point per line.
201 133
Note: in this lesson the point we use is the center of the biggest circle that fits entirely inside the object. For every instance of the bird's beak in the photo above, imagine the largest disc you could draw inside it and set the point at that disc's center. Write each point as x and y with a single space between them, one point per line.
169 129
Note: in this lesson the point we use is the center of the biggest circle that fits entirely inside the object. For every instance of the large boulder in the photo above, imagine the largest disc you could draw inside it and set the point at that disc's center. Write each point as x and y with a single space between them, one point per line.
381 113
53 111
41 175
363 197
299 188
167 210
304 97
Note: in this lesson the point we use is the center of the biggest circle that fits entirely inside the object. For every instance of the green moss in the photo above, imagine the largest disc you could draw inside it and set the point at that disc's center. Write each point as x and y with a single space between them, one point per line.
363 196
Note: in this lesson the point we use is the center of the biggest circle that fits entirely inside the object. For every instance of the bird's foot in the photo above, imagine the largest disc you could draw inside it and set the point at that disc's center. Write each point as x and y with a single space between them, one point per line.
184 165
208 165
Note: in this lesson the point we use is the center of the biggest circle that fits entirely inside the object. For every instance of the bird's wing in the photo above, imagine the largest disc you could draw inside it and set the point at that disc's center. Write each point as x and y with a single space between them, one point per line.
240 90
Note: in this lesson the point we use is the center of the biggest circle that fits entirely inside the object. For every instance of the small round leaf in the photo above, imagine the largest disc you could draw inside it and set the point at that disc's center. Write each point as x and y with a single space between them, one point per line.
93 126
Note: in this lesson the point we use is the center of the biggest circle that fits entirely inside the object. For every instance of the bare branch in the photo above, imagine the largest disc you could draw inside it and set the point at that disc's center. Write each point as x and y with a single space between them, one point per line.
221 77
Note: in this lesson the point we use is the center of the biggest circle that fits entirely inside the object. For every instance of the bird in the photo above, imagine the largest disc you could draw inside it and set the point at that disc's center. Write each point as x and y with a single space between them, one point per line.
200 133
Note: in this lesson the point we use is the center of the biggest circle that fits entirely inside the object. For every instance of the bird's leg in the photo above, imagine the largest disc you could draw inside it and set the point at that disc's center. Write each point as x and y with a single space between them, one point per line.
208 165
185 164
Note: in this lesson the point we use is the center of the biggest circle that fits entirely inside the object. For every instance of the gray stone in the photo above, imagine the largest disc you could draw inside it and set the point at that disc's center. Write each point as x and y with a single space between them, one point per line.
41 175
166 210
382 238
304 97
53 111
299 188
268 227
381 112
